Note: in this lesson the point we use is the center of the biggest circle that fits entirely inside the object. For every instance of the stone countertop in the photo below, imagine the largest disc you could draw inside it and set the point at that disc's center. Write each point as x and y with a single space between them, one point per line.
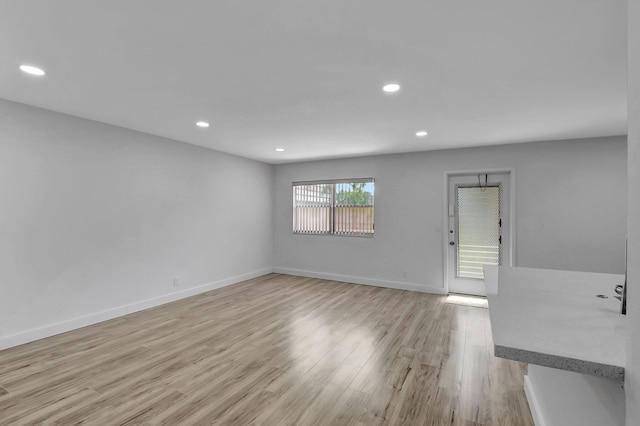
554 319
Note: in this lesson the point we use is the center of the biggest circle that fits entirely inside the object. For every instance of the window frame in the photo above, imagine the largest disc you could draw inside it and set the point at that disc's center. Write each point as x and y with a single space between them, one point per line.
332 223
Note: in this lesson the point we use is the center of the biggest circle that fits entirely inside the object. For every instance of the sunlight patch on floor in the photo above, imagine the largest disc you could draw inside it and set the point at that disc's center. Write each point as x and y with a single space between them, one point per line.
462 299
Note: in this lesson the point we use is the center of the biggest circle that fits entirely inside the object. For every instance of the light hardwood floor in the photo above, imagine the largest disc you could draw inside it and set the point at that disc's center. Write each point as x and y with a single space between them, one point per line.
276 350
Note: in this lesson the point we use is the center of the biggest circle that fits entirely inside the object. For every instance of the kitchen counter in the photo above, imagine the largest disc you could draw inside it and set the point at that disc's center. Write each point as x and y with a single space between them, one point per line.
554 319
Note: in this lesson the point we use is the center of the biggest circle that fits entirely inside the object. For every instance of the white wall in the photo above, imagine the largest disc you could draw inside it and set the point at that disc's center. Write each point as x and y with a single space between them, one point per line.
95 220
565 398
570 211
632 373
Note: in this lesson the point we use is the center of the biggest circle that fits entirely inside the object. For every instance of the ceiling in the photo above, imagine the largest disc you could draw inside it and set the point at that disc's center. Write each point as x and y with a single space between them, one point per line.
306 75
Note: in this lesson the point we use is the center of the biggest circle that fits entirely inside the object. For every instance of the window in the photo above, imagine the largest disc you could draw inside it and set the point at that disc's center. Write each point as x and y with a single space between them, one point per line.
334 207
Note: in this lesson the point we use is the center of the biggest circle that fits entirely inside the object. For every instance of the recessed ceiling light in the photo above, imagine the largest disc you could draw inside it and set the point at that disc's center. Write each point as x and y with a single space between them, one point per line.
391 87
421 133
202 124
280 149
29 69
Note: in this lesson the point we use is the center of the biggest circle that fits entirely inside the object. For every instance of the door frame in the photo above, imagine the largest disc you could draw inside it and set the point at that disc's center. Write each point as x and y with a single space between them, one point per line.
511 171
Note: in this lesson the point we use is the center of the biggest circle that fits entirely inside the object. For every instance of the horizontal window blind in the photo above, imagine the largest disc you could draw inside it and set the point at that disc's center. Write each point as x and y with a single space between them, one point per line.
478 230
340 207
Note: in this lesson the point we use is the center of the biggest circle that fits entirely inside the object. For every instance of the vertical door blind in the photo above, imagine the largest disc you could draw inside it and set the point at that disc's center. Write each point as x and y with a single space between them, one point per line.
478 230
341 207
313 205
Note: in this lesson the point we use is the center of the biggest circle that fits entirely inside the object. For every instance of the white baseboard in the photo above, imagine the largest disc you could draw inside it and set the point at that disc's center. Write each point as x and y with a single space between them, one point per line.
79 322
362 280
75 323
534 406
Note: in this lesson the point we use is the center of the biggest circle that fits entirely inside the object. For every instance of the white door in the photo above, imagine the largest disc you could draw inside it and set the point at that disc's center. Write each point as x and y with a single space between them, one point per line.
478 229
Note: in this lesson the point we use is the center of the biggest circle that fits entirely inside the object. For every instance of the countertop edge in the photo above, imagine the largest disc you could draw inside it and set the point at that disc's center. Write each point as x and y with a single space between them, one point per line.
563 363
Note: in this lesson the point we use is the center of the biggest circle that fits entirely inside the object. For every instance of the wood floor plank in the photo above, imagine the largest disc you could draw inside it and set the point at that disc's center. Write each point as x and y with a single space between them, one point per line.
275 350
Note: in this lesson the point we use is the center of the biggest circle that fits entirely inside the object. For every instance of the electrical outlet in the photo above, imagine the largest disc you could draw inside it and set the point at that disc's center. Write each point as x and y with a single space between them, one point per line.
176 281
404 274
